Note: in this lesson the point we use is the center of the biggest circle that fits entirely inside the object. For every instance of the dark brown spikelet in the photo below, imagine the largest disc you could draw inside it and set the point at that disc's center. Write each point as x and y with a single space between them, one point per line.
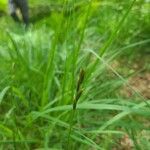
81 79
79 95
77 98
79 89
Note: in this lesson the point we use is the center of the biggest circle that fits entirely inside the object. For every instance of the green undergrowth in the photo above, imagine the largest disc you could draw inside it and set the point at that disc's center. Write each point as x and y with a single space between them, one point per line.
58 89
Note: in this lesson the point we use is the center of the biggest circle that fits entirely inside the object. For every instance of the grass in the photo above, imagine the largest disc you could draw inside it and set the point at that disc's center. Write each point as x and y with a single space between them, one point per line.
58 89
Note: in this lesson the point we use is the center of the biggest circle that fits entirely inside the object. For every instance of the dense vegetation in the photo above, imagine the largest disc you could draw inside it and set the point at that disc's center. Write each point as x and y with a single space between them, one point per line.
68 81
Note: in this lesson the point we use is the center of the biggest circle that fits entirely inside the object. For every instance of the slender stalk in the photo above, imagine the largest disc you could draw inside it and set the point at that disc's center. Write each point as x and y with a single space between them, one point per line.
79 91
